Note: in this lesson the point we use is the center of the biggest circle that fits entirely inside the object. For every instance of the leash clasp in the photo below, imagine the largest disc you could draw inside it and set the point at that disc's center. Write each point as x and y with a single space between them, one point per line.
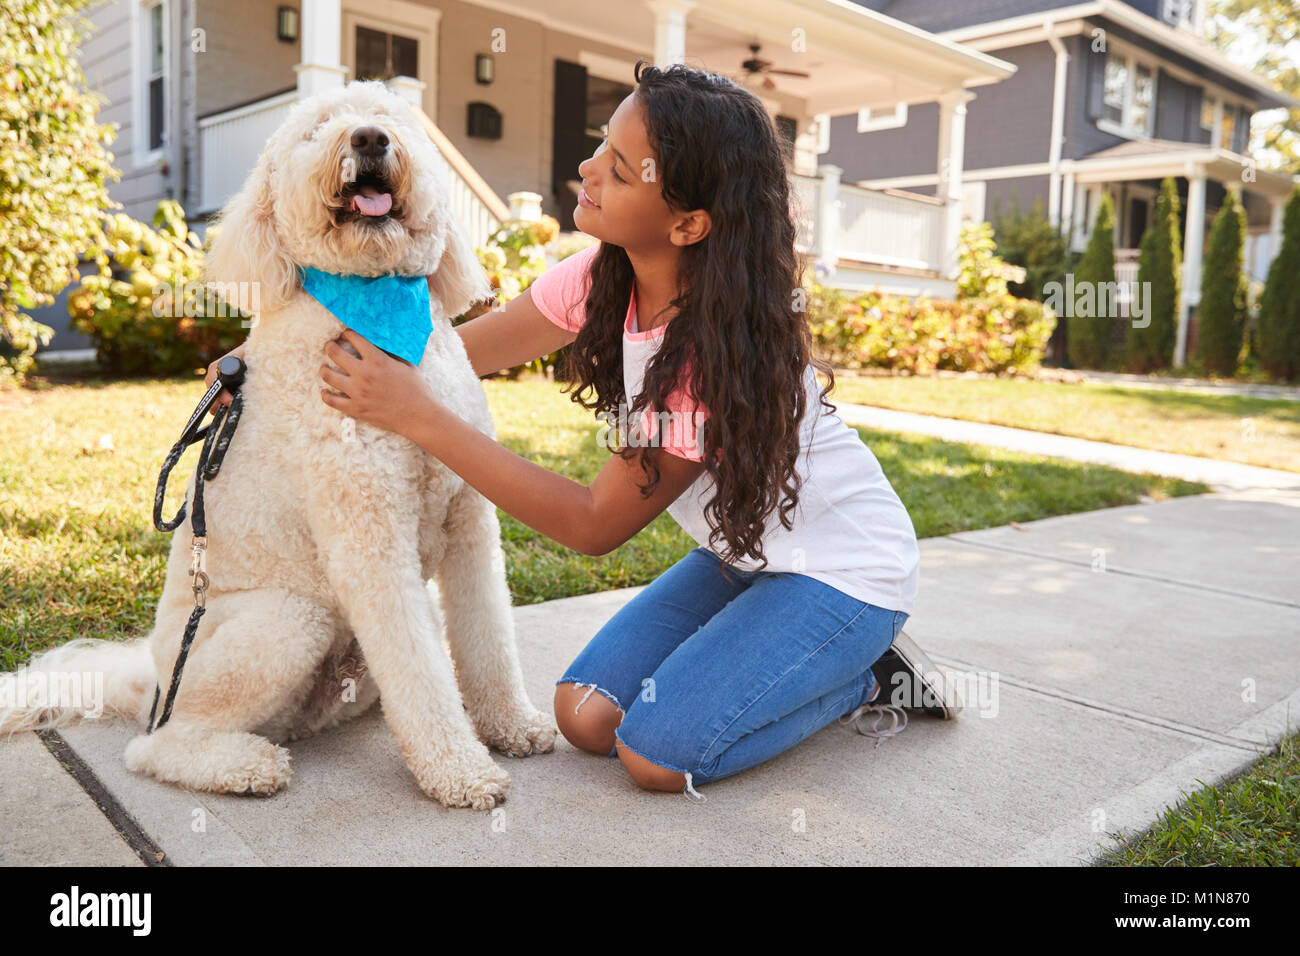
198 570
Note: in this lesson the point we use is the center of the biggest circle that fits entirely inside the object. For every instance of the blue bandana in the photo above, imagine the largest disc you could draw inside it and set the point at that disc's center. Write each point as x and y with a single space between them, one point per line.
391 312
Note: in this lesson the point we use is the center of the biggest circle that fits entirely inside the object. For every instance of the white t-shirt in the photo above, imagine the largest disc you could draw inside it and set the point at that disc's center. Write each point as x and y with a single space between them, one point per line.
850 530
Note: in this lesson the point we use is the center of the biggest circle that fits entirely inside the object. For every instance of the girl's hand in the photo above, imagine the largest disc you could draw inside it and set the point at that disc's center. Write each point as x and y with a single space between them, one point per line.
225 398
376 387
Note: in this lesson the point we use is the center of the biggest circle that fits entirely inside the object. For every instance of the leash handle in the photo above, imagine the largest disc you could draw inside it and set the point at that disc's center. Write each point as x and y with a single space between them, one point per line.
230 375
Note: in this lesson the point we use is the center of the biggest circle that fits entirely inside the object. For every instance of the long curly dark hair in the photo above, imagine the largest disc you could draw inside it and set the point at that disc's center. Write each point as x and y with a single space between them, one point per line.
740 323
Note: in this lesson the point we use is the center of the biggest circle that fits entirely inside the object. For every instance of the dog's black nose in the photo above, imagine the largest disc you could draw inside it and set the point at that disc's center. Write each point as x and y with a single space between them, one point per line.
369 140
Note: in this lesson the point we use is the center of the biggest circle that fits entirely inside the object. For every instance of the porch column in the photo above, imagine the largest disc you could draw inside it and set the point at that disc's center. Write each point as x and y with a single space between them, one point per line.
322 31
670 29
1061 76
1275 229
828 220
1067 209
1192 244
952 149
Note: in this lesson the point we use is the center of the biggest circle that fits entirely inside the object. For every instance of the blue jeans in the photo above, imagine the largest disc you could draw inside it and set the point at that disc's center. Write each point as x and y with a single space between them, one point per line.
717 669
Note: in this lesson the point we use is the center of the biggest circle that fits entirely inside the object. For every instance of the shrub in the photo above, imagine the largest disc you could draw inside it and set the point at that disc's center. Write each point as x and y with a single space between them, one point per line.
1160 262
1029 240
1277 331
515 255
131 309
1221 317
1088 338
986 329
54 169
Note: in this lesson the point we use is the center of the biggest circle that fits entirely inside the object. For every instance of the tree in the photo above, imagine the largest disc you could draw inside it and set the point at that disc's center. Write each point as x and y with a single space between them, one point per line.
1221 318
1277 331
54 168
1088 336
1152 347
1263 35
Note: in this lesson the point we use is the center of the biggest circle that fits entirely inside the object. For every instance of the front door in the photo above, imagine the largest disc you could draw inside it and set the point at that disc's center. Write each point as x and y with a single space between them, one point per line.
583 105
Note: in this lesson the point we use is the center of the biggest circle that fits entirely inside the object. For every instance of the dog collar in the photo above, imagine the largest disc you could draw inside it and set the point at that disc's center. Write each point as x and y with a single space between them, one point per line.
391 312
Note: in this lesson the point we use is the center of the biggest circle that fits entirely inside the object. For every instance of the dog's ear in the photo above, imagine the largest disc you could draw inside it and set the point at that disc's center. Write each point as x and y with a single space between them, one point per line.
246 248
460 280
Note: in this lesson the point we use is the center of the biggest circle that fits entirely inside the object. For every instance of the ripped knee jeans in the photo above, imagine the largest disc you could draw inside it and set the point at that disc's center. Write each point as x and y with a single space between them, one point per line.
717 669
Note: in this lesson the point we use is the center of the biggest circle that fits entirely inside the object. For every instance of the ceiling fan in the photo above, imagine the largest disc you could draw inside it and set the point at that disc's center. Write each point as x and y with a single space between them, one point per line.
756 66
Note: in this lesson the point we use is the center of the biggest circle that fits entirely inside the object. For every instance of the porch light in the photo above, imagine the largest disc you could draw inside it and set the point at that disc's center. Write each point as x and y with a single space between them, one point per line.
286 24
483 68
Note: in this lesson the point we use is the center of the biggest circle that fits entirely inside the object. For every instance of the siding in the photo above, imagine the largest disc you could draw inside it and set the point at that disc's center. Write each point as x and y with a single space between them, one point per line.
939 15
1002 195
244 61
1019 109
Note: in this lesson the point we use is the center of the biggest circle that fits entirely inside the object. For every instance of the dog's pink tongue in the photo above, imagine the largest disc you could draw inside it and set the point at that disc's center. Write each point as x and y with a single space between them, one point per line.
371 202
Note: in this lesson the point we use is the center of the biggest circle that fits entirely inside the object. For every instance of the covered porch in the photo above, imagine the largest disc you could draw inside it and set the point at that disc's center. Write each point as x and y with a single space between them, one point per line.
1132 173
815 59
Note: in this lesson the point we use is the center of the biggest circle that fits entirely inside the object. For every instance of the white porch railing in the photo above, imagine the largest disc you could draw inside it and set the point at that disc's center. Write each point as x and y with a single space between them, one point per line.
840 221
230 142
1126 276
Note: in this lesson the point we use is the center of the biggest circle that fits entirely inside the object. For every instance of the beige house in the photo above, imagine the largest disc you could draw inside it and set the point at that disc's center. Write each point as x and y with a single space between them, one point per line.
515 94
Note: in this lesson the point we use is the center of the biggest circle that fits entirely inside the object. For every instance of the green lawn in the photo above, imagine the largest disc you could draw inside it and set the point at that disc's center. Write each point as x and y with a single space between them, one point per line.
1255 431
1252 820
79 556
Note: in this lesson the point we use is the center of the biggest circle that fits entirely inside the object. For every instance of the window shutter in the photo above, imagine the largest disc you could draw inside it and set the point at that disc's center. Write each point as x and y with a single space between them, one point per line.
1096 80
1241 131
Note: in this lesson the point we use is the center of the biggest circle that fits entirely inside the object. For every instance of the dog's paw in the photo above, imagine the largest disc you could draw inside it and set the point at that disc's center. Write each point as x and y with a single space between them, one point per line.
267 772
530 733
468 780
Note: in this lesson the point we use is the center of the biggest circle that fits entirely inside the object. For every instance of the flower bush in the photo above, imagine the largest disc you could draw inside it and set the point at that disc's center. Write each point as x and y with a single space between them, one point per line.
515 255
985 329
146 309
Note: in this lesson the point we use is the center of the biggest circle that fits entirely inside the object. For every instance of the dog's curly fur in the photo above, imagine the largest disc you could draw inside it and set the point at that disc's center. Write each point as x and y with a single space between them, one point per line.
324 531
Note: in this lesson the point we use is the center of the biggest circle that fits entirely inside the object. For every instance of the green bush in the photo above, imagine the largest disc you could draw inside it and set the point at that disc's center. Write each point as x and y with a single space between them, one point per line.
54 169
1159 264
1222 314
1029 240
986 329
1087 340
147 311
1277 331
514 257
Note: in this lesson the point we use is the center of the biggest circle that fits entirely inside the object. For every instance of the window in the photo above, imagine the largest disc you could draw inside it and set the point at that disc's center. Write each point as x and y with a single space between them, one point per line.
1128 96
882 117
1181 13
152 61
382 56
1227 127
1220 118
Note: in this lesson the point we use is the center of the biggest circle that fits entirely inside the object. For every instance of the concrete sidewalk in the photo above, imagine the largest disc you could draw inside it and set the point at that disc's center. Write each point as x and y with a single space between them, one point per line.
1219 475
1138 651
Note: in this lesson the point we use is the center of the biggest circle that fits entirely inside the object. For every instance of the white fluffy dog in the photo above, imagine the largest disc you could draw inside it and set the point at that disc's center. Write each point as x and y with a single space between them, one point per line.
324 531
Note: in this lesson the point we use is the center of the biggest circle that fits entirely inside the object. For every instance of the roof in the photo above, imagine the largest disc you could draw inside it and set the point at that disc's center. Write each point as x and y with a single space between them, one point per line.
1178 41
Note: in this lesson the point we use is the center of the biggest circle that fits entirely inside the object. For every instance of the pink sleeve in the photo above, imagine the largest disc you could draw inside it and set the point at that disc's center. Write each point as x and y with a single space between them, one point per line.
685 424
560 293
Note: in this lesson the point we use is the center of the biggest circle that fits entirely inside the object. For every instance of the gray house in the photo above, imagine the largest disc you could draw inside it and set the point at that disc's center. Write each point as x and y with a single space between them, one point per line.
1107 96
514 96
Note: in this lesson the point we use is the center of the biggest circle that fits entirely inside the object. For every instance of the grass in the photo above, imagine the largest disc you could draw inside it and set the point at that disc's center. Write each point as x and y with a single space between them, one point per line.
1252 819
1241 428
79 556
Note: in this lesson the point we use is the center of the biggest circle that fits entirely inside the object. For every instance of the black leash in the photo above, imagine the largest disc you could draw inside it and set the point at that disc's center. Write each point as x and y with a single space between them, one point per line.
216 439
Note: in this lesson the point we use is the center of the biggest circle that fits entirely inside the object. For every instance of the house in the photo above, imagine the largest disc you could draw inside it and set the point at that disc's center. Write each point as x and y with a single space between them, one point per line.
1107 96
515 95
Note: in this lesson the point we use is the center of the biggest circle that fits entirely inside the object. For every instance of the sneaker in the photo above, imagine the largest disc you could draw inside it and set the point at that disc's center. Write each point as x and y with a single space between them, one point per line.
937 698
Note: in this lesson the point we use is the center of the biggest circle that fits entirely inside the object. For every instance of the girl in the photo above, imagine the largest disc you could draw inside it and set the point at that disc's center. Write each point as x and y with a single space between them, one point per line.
686 322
